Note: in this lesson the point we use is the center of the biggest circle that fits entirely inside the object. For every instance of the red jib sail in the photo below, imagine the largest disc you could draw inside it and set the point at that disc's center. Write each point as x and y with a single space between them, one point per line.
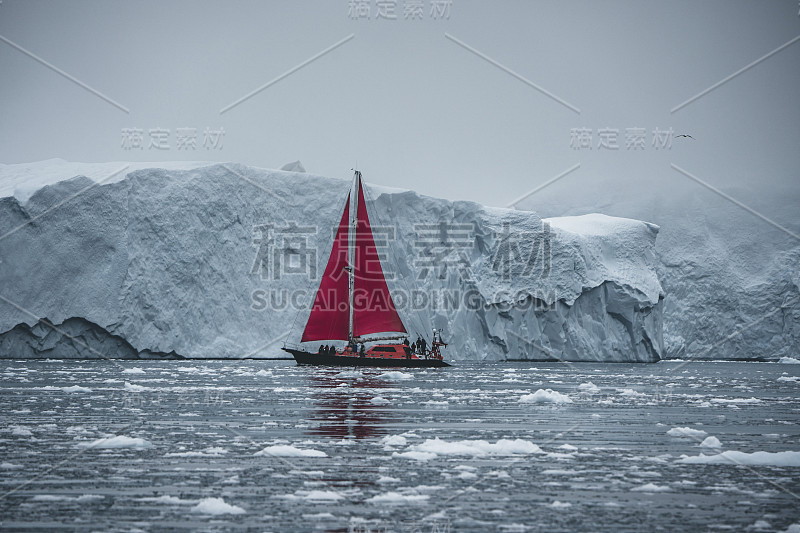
330 315
373 307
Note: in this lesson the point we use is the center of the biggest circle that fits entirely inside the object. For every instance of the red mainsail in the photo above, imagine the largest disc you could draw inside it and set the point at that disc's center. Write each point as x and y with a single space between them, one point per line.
373 308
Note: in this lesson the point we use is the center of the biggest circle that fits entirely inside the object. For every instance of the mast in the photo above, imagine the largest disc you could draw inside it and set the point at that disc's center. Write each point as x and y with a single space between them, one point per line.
351 248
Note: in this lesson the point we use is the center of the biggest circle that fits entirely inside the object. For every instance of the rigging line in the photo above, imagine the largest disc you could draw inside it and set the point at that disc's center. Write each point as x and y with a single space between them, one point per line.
370 199
325 258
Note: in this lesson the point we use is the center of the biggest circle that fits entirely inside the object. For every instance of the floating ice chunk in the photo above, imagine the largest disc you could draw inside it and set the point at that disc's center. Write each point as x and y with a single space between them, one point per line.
387 479
630 393
394 375
50 498
559 505
10 466
732 457
559 456
735 400
378 400
789 378
133 387
416 455
76 388
83 498
263 372
20 431
545 396
394 440
794 528
651 487
208 452
284 450
686 432
789 361
557 472
568 447
134 370
711 442
118 441
323 495
167 500
216 506
476 448
397 498
588 387
349 374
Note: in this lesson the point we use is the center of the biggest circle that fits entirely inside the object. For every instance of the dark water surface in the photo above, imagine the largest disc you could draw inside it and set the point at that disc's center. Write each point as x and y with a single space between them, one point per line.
604 462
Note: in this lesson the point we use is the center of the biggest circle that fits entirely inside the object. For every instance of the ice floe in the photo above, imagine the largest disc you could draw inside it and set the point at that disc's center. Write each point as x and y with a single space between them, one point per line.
285 450
545 396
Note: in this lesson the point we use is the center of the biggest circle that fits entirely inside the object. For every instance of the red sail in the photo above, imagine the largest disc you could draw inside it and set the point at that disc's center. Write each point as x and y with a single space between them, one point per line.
330 315
373 308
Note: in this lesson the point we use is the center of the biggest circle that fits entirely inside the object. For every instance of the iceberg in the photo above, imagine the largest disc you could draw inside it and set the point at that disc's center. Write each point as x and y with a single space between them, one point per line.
218 260
730 273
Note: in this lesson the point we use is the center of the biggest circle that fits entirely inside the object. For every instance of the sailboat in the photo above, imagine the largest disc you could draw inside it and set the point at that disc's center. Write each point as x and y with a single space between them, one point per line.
353 304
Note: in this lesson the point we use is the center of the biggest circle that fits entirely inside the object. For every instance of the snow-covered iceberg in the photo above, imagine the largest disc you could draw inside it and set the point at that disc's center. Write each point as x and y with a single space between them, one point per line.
222 260
731 273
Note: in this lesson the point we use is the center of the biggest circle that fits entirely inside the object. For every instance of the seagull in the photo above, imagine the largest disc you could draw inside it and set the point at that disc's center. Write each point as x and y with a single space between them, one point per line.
684 135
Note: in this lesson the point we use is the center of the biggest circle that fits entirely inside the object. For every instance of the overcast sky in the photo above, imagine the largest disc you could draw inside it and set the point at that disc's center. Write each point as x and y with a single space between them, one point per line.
422 101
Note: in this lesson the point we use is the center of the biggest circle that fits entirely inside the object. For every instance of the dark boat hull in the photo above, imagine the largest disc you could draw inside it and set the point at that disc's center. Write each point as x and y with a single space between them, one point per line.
306 358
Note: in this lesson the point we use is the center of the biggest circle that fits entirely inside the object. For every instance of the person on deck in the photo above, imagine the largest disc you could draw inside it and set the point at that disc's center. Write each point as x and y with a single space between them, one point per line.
407 348
321 348
361 350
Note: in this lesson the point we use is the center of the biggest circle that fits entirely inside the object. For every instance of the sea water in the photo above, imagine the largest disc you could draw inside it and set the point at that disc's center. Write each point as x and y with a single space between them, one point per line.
270 446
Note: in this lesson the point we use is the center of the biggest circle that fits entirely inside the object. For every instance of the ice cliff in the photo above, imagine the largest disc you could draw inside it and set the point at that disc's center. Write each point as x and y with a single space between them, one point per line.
221 260
731 278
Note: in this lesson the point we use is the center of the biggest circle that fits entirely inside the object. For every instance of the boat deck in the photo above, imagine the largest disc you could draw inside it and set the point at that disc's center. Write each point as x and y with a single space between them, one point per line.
372 357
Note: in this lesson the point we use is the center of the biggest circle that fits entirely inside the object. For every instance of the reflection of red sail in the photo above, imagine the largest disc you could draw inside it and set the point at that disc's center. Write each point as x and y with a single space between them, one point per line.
330 315
373 307
373 310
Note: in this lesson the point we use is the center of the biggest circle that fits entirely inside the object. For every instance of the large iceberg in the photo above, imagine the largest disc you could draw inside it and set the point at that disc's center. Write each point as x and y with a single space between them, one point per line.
222 260
731 271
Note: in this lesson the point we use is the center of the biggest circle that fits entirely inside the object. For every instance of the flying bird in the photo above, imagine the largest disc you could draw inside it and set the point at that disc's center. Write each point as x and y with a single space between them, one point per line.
684 135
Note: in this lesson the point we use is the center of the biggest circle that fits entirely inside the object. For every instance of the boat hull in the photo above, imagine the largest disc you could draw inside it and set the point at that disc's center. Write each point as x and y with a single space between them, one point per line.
306 358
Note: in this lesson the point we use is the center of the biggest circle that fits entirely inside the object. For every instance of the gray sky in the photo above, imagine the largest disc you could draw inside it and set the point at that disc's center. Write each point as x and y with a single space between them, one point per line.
412 107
